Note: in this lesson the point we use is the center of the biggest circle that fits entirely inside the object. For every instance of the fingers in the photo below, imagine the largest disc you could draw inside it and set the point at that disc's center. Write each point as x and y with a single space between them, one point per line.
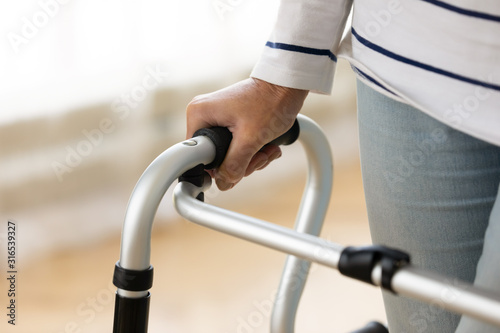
198 114
262 159
234 170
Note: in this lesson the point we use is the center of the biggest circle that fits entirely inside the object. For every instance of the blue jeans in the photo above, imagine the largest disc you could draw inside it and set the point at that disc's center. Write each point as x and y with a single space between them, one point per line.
432 192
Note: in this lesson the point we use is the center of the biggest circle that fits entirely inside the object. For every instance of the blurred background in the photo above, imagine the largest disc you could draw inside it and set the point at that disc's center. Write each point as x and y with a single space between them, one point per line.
90 93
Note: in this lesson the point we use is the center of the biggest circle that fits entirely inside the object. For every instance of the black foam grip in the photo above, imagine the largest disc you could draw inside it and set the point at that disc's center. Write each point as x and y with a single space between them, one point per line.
221 137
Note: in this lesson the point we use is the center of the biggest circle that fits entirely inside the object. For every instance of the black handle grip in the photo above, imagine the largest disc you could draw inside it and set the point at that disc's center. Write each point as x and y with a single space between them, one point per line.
221 137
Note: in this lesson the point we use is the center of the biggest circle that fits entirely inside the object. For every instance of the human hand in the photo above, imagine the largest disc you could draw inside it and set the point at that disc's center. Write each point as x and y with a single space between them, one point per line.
256 112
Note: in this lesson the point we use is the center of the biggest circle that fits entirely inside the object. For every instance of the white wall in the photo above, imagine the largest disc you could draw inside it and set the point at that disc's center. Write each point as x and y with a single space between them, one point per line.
99 89
57 55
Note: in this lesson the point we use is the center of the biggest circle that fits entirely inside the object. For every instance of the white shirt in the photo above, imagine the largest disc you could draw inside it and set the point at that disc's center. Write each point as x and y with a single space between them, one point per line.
441 57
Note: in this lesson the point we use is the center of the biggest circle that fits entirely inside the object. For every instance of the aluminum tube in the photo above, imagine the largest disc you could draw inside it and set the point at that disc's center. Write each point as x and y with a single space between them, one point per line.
312 212
146 196
257 231
442 292
408 281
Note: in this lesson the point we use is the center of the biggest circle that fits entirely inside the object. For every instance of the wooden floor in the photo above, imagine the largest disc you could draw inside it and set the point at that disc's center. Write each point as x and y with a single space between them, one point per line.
206 281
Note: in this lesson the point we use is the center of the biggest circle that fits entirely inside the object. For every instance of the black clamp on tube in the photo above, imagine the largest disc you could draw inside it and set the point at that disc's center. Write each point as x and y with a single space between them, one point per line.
131 280
358 263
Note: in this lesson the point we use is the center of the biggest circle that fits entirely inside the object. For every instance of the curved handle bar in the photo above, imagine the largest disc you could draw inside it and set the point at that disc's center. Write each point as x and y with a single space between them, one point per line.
207 149
133 273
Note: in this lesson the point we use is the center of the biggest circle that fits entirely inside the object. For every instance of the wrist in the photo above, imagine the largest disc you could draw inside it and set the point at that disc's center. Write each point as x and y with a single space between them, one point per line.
281 92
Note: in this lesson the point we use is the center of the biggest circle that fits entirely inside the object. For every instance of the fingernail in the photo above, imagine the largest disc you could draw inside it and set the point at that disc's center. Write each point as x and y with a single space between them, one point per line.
223 185
260 164
275 156
271 158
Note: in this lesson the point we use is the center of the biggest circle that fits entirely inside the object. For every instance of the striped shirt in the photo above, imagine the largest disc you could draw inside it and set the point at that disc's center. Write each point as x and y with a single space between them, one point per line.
442 57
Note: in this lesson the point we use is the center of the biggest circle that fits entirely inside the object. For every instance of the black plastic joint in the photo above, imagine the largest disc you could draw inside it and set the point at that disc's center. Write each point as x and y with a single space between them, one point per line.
372 327
358 263
195 176
131 280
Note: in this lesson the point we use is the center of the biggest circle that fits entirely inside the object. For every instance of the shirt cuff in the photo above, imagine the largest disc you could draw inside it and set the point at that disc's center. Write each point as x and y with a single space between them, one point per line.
296 70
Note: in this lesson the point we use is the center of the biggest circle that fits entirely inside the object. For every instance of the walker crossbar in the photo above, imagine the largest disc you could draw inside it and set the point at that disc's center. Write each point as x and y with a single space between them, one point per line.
407 280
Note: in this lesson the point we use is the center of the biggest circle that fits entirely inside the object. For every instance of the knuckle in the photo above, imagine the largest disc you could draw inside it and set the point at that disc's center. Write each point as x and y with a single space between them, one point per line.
195 104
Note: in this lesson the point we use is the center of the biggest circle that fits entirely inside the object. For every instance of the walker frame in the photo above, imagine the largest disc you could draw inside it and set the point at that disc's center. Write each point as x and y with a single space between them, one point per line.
380 266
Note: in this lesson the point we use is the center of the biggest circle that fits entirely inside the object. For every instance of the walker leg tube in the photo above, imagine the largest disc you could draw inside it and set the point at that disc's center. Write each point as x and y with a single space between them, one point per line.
131 314
293 281
309 220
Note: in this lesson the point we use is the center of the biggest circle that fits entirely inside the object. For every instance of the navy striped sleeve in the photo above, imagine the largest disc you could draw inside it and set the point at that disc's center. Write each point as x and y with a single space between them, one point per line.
302 49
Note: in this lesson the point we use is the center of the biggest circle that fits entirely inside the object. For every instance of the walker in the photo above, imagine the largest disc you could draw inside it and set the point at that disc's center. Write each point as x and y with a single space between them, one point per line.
381 266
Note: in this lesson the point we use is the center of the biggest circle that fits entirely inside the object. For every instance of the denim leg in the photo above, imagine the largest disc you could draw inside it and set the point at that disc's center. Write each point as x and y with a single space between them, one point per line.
488 270
429 191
